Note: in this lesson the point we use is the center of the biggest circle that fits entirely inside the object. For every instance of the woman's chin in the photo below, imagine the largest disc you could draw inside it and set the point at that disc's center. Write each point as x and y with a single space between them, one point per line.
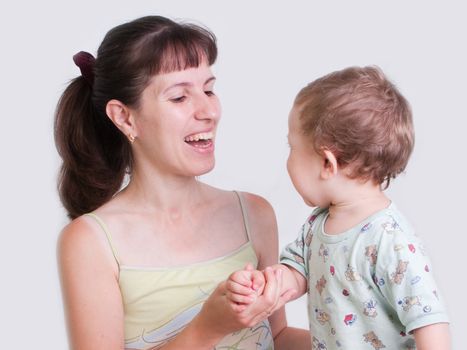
202 169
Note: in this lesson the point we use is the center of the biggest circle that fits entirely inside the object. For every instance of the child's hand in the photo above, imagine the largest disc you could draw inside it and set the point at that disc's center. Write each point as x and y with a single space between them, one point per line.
244 286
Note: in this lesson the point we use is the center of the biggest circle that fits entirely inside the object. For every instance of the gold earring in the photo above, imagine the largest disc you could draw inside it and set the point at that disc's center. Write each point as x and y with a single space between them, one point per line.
131 138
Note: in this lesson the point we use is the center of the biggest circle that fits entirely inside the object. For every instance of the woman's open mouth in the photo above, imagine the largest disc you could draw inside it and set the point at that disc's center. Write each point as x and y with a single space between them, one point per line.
202 140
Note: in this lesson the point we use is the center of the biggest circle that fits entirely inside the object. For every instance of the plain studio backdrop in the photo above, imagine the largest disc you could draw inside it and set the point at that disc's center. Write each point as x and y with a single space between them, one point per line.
267 51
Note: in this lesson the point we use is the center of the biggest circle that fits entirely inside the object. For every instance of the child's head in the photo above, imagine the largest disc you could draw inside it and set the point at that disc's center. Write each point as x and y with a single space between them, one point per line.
361 118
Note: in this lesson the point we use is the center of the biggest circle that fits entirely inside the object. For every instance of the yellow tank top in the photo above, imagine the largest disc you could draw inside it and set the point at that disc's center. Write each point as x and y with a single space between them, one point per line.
159 302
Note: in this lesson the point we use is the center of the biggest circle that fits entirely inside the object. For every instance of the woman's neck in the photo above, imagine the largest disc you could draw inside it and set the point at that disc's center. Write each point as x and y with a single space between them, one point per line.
161 192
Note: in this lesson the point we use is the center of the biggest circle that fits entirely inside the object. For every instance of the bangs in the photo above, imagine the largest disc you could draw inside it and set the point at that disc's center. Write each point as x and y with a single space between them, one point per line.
187 49
175 49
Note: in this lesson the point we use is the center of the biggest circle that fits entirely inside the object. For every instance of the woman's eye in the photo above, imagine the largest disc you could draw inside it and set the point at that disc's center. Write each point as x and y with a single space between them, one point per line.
178 99
209 93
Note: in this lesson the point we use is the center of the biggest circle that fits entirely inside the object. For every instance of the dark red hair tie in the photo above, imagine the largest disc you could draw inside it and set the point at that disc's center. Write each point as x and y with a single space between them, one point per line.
85 61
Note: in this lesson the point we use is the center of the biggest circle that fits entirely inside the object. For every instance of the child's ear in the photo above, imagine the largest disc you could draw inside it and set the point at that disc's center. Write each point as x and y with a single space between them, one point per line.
122 117
330 164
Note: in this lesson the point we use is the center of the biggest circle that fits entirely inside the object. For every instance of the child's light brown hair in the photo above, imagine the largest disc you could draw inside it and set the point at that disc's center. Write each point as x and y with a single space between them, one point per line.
360 116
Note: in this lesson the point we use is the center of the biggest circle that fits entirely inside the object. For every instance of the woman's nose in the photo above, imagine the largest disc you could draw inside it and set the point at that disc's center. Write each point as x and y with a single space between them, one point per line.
207 107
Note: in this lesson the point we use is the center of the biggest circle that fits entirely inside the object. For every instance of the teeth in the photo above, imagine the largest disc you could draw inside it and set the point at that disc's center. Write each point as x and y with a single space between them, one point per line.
200 136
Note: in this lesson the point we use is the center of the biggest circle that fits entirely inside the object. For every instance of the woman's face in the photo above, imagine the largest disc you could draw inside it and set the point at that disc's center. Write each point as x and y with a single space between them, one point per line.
176 122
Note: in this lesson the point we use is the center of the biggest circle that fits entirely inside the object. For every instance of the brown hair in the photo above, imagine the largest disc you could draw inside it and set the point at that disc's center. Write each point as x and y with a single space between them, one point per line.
95 154
359 115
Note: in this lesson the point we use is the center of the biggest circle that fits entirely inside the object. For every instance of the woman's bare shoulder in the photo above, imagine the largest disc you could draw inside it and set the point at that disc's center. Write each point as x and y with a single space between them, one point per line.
78 231
257 207
82 239
260 211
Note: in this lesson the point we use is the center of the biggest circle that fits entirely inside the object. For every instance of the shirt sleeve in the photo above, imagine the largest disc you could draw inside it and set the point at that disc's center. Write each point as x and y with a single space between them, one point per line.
404 277
297 253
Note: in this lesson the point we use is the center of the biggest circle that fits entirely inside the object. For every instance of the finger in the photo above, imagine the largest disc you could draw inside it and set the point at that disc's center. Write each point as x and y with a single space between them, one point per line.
260 309
278 274
270 294
249 267
238 308
258 281
237 288
242 277
241 299
270 280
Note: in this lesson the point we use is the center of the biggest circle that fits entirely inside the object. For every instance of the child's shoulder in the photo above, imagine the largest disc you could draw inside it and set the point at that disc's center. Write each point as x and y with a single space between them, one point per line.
388 225
390 214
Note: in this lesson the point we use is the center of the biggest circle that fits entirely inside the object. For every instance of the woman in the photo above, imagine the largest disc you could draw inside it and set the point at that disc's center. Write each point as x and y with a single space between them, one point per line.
143 265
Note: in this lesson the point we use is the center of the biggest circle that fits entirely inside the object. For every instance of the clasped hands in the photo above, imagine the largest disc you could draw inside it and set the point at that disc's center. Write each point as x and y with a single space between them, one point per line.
245 299
261 292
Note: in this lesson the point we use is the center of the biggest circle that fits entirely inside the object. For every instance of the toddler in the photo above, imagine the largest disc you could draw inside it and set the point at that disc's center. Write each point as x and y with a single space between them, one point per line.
368 279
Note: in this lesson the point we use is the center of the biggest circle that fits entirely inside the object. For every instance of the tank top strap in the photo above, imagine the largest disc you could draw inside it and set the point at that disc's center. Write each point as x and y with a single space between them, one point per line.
107 234
244 214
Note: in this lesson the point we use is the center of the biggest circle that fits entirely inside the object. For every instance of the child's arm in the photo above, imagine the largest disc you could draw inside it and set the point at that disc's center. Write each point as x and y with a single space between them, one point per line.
433 337
292 280
403 274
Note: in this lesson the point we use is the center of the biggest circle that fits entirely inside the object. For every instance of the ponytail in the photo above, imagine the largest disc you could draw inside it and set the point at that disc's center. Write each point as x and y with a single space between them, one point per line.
95 153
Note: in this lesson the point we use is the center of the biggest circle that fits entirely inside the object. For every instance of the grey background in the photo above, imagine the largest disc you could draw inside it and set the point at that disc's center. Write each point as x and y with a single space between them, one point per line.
268 51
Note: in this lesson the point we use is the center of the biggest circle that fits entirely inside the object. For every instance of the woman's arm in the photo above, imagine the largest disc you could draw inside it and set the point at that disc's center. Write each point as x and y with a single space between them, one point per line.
91 295
265 240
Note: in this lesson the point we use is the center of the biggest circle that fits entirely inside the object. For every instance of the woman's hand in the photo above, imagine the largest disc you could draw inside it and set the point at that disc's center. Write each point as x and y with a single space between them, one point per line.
221 316
271 300
244 286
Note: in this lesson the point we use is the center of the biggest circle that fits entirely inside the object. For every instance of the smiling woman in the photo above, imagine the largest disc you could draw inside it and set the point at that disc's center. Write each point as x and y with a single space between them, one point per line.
174 108
143 266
